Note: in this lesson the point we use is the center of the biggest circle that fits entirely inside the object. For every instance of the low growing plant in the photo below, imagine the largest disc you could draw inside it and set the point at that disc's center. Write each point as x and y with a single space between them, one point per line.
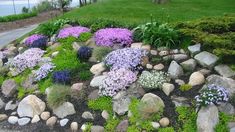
185 87
101 103
85 75
100 52
61 77
84 53
72 31
166 129
84 37
222 126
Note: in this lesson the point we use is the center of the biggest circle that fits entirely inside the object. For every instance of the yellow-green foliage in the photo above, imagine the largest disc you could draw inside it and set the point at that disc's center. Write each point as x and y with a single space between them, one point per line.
166 129
102 103
222 126
185 87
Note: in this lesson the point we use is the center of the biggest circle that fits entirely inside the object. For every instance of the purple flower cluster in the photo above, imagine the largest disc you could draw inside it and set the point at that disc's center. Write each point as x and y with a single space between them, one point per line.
29 59
127 58
61 77
116 80
213 94
31 39
110 36
43 71
72 31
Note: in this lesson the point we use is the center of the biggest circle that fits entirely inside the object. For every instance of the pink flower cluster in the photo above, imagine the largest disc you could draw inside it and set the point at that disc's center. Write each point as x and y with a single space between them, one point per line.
110 36
29 41
72 31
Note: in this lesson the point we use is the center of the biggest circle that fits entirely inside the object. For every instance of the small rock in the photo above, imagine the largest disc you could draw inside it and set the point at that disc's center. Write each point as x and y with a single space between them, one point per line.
23 121
97 69
135 90
182 51
122 126
9 87
45 115
74 126
97 81
77 87
196 78
164 122
11 106
175 70
167 88
205 72
87 115
144 60
54 54
64 110
13 119
179 82
63 122
163 53
180 101
153 52
179 57
225 71
206 59
155 125
93 95
129 114
84 127
20 50
136 45
35 119
121 103
146 47
51 121
97 129
3 117
149 66
226 108
158 67
189 65
174 51
105 114
2 104
194 49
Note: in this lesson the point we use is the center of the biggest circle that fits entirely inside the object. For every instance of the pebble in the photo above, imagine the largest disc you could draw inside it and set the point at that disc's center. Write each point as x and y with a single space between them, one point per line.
23 121
35 119
179 82
51 121
87 115
164 122
11 106
149 66
167 88
155 125
74 126
3 117
196 78
13 119
63 122
105 114
45 115
153 52
97 129
146 47
164 53
158 67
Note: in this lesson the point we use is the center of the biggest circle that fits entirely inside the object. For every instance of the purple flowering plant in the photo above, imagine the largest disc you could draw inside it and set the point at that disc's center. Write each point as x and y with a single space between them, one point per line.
128 58
43 71
72 31
110 36
116 81
31 39
213 94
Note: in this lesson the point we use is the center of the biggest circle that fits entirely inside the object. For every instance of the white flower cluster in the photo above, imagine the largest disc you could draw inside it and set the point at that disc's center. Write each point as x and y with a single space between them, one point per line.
29 59
43 71
153 80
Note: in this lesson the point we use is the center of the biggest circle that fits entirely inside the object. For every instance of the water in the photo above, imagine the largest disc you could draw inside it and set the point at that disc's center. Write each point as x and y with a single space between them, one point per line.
6 6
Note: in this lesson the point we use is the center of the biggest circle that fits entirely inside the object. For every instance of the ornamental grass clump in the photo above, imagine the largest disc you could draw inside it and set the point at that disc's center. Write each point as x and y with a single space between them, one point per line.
116 81
36 41
29 59
43 71
111 36
153 80
127 58
72 31
213 94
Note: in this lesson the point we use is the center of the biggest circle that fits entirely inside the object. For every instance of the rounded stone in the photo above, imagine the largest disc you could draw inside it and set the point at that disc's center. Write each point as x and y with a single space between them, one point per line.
149 66
74 126
51 121
3 117
105 114
35 119
164 122
23 121
196 78
155 125
63 122
45 115
13 119
158 67
87 115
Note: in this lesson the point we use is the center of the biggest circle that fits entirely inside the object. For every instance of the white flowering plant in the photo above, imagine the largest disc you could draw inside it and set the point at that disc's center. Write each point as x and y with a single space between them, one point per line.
43 71
213 94
153 80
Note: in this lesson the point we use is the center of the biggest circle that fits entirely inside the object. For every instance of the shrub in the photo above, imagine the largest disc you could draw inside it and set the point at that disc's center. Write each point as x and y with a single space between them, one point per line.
153 80
101 103
128 58
72 31
84 53
213 94
36 41
58 95
43 71
101 23
11 18
85 75
116 81
25 10
158 35
100 52
110 36
185 87
62 77
84 37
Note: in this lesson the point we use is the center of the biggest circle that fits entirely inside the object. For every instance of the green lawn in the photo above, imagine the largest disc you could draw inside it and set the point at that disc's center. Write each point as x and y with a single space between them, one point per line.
139 11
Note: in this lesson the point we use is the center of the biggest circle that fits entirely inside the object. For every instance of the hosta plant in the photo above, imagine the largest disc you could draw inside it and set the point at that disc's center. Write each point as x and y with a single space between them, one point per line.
111 36
84 53
128 58
153 80
116 81
212 94
72 31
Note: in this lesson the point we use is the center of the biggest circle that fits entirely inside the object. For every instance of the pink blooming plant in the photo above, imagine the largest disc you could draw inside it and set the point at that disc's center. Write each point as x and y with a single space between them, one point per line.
72 31
31 39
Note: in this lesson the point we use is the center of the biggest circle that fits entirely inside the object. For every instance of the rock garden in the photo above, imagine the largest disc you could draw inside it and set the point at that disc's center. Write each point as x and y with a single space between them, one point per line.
70 76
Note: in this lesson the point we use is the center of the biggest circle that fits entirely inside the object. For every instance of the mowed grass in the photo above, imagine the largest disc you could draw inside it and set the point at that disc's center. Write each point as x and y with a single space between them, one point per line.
140 11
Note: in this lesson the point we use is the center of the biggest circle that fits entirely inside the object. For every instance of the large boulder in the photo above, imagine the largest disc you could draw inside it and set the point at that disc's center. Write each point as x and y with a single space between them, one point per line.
149 104
97 81
31 106
9 87
189 65
225 71
225 82
175 70
64 110
207 118
206 59
121 103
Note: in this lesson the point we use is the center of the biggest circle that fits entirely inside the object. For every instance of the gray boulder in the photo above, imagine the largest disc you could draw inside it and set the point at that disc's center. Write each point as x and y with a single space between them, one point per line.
97 81
194 49
206 59
225 71
175 70
121 103
23 121
226 108
64 110
122 126
9 87
189 65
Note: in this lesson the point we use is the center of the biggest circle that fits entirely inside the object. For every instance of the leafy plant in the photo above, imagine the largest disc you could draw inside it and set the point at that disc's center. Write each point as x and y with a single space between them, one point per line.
62 77
1 80
100 52
84 53
101 103
45 83
84 37
222 126
11 18
185 87
166 129
111 124
58 95
85 75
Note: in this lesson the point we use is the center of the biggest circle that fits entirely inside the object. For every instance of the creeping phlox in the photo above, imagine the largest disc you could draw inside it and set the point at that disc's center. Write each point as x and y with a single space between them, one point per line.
72 31
36 40
110 36
213 94
43 71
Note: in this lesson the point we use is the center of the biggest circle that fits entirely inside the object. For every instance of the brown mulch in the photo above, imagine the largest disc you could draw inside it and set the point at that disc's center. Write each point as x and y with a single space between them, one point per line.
5 26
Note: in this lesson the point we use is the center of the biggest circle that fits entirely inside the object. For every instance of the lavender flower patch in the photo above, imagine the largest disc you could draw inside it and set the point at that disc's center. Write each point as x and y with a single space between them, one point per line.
110 36
31 39
116 81
213 94
43 71
72 31
127 58
29 59
61 77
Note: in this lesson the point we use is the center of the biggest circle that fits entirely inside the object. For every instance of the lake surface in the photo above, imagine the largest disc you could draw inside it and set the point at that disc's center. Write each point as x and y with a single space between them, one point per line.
6 6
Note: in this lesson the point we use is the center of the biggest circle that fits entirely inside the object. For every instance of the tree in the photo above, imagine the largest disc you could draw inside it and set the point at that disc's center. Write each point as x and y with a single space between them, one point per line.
63 4
14 6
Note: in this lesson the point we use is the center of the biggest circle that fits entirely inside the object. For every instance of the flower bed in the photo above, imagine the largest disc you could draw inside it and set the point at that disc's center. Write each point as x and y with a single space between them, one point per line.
72 31
33 38
110 36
